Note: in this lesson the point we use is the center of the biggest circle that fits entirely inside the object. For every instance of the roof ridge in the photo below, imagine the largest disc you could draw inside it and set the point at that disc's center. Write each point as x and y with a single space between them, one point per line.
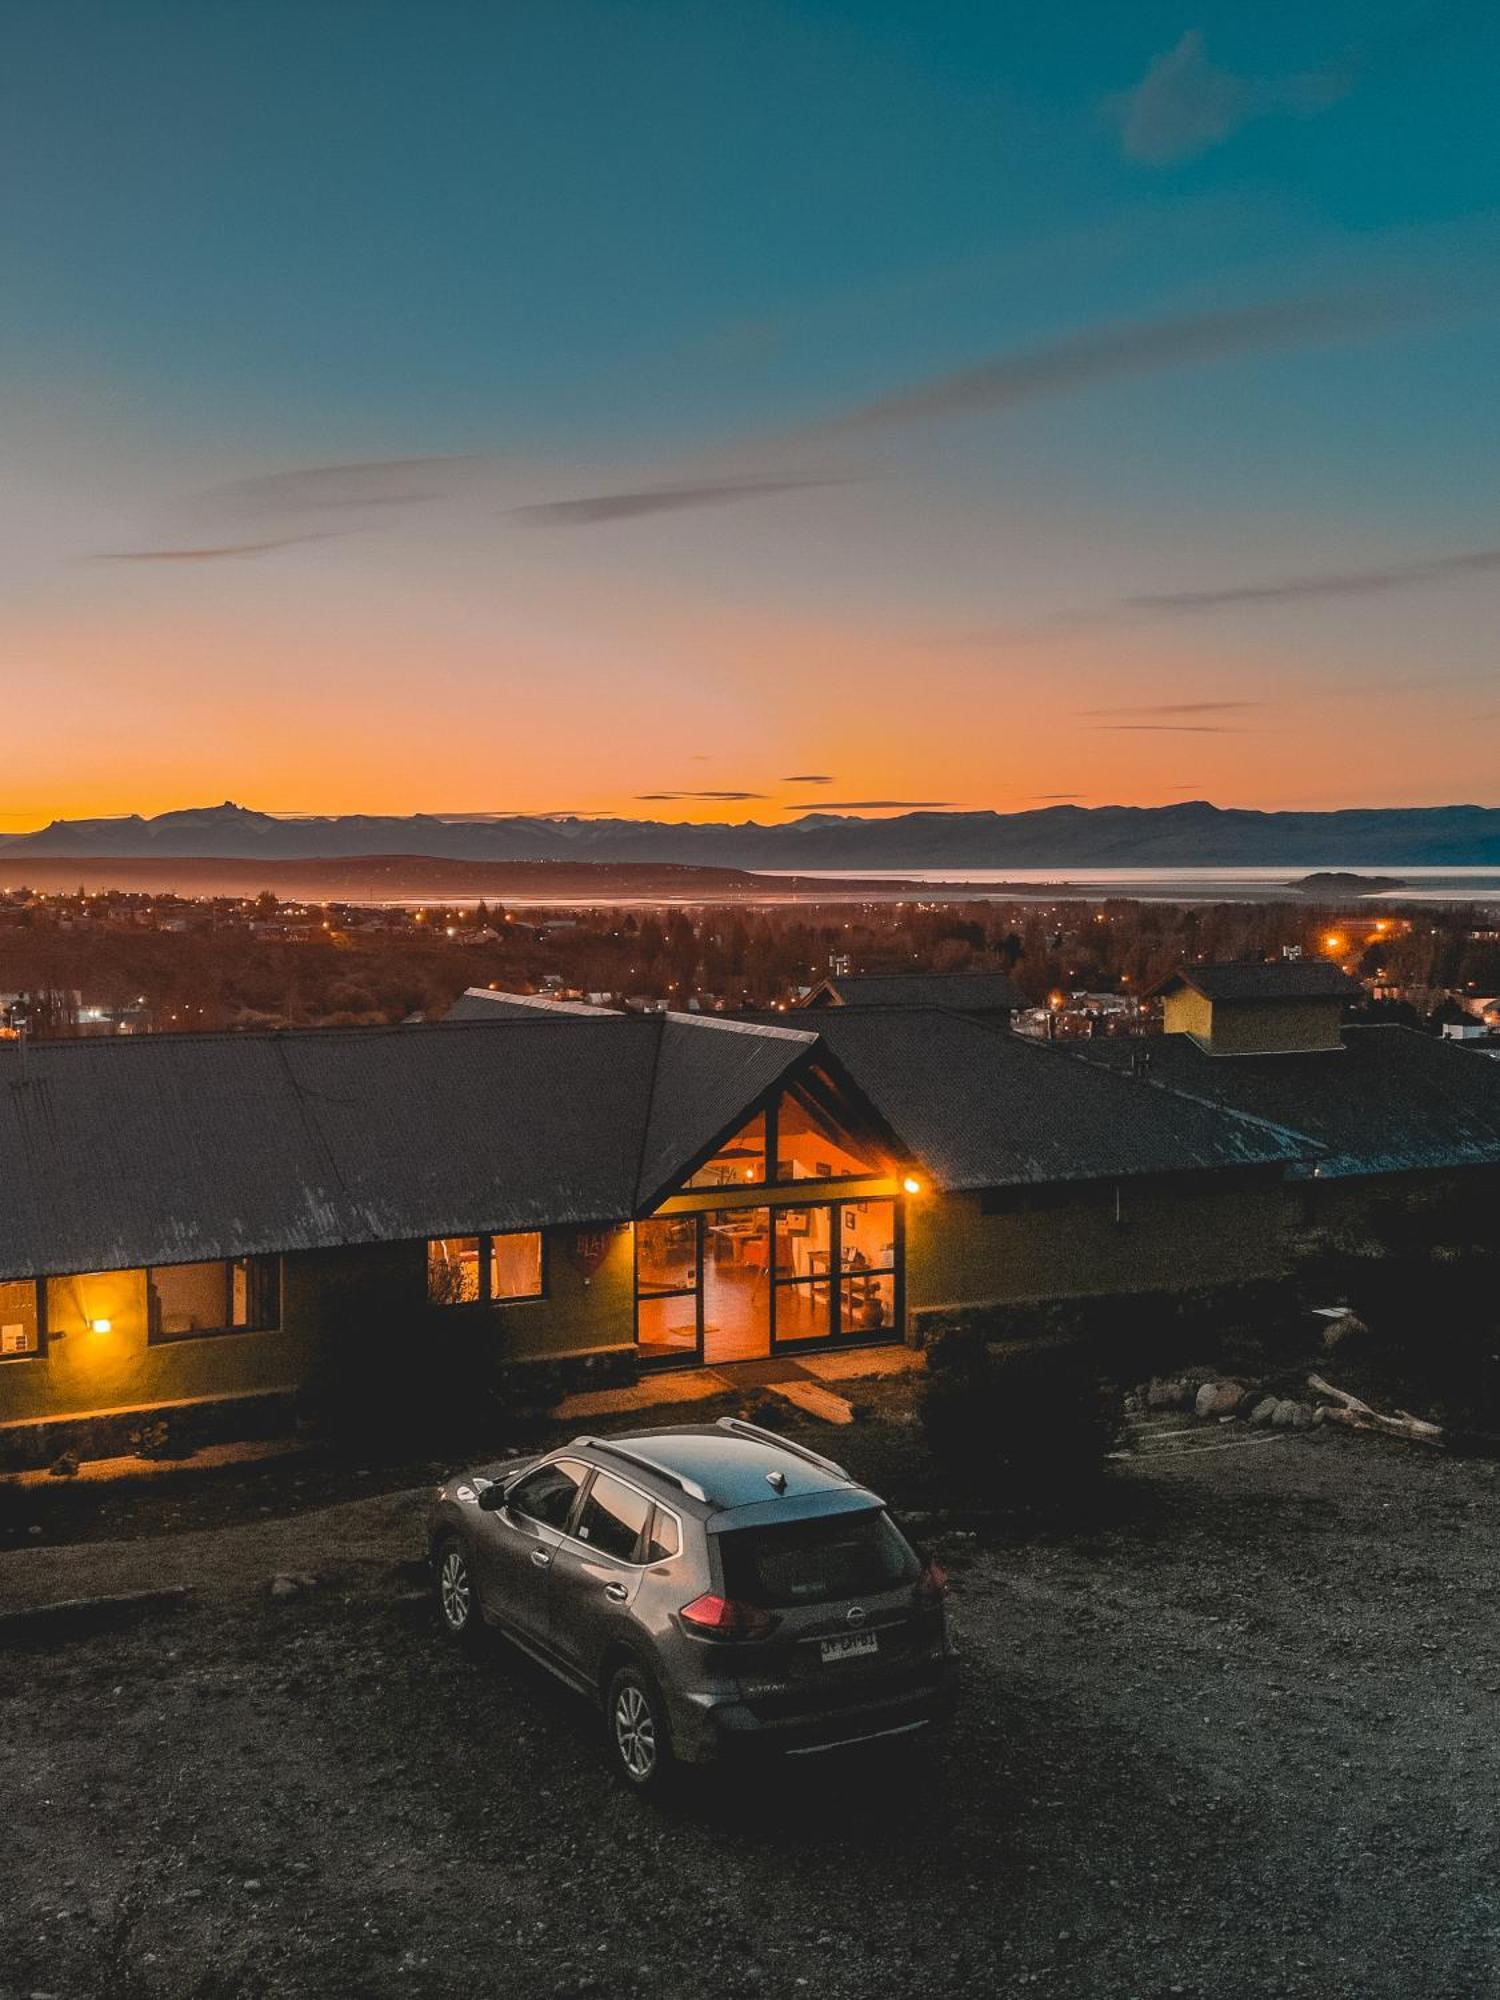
740 1027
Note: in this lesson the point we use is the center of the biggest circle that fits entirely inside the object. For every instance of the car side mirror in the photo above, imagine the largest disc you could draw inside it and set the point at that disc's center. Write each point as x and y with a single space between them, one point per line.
492 1499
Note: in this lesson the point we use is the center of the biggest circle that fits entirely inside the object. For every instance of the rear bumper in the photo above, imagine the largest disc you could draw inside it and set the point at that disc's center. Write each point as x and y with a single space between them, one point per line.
710 1729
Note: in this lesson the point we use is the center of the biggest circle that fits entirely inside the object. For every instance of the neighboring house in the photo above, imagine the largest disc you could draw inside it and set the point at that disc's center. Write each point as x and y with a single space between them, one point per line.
1383 1108
198 1222
1247 1009
987 996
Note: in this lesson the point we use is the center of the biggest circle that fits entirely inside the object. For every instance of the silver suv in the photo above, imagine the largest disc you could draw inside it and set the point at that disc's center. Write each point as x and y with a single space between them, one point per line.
710 1587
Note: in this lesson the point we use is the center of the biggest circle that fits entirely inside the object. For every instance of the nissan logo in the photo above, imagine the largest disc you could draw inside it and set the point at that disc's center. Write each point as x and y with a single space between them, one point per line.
856 1614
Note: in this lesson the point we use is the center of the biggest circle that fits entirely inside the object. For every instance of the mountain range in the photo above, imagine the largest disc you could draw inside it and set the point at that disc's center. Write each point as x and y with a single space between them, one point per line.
1192 834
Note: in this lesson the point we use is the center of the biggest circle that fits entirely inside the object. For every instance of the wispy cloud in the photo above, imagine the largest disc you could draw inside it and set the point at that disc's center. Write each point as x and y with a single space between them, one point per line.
224 552
375 482
594 509
1172 708
1115 351
655 796
808 778
1328 583
877 805
1170 728
1057 796
1185 104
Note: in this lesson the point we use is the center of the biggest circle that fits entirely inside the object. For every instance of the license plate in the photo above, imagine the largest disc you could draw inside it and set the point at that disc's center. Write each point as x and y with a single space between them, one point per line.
849 1646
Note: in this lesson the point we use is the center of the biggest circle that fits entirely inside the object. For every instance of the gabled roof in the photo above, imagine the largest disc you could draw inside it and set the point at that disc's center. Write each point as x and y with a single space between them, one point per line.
982 1108
171 1148
1390 1100
960 992
709 1072
1285 979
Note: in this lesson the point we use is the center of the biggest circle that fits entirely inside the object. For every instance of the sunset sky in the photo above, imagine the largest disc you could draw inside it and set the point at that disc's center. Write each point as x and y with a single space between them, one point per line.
715 408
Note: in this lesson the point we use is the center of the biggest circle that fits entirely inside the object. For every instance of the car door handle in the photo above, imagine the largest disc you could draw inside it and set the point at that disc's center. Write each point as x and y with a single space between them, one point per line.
541 1557
617 1591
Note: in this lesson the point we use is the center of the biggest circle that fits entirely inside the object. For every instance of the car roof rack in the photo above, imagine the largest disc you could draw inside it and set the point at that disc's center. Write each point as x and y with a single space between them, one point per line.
739 1428
645 1463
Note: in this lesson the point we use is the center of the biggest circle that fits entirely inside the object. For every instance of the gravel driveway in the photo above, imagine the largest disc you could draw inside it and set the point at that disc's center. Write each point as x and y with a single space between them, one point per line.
1238 1735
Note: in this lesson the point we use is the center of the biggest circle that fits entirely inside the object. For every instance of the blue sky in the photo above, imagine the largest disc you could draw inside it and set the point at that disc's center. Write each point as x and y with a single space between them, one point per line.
937 337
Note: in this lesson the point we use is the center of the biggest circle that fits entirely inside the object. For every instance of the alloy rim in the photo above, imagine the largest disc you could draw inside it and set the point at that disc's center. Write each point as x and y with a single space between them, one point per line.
635 1731
453 1587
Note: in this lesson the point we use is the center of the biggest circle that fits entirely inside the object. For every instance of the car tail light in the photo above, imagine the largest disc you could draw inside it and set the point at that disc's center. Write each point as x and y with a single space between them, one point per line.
931 1586
713 1617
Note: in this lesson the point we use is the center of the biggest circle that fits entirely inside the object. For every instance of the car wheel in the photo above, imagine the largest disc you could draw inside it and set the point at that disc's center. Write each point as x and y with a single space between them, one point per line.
458 1607
638 1736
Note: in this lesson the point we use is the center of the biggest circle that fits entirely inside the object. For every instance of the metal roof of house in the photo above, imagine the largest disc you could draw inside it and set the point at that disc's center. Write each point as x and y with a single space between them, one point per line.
982 1108
172 1148
1389 1100
958 992
487 1003
1285 979
708 1072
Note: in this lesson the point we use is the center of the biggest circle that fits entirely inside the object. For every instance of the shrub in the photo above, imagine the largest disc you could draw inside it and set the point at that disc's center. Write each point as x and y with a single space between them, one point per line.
1016 1421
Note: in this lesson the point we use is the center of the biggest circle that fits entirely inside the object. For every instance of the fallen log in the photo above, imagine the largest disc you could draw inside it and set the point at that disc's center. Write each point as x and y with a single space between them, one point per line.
1353 1414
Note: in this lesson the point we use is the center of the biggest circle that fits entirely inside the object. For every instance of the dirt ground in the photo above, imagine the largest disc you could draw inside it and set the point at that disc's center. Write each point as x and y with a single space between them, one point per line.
1234 1733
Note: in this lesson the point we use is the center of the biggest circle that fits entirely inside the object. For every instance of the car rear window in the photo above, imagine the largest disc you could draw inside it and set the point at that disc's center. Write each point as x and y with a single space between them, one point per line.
817 1562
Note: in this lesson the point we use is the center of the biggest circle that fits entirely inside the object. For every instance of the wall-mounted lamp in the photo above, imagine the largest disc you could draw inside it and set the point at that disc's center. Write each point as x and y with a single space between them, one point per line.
101 1326
912 1185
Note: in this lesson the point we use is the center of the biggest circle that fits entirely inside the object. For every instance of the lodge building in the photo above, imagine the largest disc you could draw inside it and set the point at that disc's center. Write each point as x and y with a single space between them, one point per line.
193 1223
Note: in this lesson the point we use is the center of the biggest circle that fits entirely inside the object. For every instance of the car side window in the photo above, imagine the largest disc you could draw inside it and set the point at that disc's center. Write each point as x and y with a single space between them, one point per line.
613 1517
547 1495
665 1538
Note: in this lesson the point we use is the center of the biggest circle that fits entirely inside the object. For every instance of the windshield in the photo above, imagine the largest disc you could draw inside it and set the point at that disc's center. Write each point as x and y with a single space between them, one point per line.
817 1562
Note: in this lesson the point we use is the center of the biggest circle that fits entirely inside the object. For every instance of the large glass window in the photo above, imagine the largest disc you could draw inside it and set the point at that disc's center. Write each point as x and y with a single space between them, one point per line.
20 1321
667 1288
740 1161
808 1148
241 1295
493 1270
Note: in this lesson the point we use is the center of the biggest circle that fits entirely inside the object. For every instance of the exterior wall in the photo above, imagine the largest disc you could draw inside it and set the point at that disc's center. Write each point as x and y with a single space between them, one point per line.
1252 1027
1172 1236
84 1373
364 1308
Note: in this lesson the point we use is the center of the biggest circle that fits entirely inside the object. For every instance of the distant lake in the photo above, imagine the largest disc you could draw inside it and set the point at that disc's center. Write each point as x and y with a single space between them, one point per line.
1192 885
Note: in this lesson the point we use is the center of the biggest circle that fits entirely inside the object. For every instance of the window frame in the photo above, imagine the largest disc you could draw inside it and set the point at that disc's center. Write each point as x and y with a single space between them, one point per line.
39 1316
486 1239
273 1323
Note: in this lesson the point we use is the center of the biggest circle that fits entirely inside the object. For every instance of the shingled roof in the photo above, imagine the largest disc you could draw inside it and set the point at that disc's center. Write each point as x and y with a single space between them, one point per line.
1285 979
163 1149
981 1108
1389 1100
955 992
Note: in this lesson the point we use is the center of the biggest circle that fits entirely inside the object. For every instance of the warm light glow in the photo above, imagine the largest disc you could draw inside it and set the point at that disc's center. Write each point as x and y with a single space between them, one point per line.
101 1326
1333 942
912 1185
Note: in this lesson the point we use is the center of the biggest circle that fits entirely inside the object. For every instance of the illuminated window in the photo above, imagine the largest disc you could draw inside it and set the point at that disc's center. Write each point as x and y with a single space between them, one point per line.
516 1265
741 1160
240 1295
20 1321
453 1270
485 1270
808 1148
